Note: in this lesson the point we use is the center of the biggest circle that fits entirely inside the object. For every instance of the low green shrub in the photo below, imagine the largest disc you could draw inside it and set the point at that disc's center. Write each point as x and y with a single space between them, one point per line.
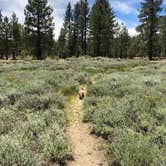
11 153
130 148
54 145
126 106
8 120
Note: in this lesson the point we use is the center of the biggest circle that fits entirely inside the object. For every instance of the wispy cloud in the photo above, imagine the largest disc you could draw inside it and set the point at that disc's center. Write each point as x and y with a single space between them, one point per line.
124 7
125 10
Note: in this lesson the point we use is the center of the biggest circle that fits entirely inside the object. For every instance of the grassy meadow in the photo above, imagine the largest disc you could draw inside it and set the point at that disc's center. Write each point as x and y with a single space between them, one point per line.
125 103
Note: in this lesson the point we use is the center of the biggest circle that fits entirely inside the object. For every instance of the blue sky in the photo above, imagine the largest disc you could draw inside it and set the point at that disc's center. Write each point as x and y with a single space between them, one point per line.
126 11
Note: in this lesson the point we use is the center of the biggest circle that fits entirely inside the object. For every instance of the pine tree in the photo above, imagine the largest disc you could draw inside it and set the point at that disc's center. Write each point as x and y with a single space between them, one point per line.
5 31
65 41
50 42
86 24
116 41
102 23
1 17
38 21
16 35
82 21
149 18
68 21
124 42
1 33
163 36
69 27
76 30
61 44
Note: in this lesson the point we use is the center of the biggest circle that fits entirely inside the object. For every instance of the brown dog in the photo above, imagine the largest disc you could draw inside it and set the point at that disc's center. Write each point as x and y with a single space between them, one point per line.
81 93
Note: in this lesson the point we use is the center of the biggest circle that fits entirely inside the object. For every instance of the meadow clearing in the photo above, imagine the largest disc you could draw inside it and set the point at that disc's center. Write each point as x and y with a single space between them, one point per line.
125 105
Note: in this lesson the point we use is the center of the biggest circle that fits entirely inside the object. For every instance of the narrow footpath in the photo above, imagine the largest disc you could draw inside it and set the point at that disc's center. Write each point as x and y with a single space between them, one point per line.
87 148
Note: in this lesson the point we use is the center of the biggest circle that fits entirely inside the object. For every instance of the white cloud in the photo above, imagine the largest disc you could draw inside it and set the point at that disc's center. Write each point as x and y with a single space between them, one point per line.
124 7
8 6
132 32
59 6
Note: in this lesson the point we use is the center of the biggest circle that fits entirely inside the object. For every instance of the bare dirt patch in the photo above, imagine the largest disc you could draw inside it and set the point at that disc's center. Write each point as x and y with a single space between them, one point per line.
87 148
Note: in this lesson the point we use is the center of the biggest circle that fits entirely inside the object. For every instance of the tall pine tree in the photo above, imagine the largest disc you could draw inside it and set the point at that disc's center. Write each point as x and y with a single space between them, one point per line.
75 29
61 44
163 36
102 23
38 22
149 19
65 38
6 34
1 33
68 21
16 35
124 42
82 21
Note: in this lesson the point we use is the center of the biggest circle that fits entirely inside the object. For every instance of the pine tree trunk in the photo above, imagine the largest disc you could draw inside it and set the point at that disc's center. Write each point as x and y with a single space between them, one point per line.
151 36
85 37
6 47
82 41
150 51
38 44
38 53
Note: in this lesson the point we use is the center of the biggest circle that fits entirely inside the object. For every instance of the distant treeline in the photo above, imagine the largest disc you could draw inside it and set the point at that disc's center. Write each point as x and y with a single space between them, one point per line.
86 31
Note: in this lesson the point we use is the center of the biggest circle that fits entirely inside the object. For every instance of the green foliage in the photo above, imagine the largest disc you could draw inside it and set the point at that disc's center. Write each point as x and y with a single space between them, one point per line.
5 34
39 24
54 145
127 110
163 35
130 148
11 153
33 111
8 119
86 31
125 103
101 25
149 19
73 36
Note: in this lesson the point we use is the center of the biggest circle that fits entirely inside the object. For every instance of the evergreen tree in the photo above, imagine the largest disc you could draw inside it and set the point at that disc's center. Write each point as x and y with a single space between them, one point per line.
76 30
38 22
5 31
61 44
121 42
70 43
163 36
102 23
1 18
0 33
50 41
16 35
124 42
116 42
65 41
133 48
68 21
149 18
82 10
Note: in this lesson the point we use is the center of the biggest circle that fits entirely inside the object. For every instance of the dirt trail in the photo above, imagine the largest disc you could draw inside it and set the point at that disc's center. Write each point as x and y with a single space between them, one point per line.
87 148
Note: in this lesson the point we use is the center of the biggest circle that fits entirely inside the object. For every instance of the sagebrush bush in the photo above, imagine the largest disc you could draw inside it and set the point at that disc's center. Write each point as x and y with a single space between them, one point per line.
130 148
125 103
54 145
126 106
12 153
8 120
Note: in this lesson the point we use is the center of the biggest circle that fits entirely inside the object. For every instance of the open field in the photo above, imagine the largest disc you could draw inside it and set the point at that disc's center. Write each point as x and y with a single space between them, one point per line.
125 104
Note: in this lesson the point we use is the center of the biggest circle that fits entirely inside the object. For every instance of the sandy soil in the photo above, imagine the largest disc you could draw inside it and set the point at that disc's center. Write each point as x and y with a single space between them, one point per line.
87 148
